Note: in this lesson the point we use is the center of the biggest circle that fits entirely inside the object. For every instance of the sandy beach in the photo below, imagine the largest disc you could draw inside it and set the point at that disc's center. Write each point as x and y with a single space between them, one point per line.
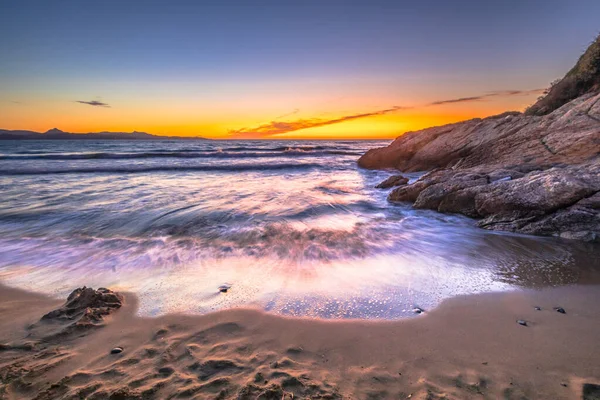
469 347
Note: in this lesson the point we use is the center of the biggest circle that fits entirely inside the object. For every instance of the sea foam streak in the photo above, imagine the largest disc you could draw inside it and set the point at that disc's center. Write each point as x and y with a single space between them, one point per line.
180 154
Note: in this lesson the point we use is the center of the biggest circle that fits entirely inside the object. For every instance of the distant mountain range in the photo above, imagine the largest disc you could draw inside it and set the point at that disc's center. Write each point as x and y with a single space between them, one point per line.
57 134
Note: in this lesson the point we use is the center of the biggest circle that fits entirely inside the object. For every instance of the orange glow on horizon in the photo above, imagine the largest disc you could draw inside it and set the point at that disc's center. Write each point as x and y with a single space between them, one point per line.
217 123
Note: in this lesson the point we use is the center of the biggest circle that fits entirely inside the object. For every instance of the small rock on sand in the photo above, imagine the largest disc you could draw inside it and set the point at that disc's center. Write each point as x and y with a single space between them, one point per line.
116 350
224 288
560 310
521 322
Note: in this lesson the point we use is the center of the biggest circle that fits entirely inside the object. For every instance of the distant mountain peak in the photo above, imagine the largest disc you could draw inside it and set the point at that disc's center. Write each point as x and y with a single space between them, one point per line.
57 134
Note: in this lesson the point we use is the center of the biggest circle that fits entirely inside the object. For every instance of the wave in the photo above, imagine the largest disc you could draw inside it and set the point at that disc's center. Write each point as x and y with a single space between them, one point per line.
164 168
278 148
289 152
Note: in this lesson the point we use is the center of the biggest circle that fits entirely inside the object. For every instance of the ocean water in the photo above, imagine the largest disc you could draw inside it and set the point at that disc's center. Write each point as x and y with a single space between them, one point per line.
294 227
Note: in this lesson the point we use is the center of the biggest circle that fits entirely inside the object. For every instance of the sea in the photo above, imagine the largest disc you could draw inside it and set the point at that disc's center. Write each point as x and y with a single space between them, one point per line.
294 228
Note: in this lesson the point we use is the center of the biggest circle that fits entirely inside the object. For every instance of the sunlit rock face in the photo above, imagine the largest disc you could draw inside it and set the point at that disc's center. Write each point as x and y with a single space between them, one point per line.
569 135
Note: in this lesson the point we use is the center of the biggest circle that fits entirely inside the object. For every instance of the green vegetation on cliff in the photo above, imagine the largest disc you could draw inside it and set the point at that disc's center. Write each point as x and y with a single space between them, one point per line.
583 78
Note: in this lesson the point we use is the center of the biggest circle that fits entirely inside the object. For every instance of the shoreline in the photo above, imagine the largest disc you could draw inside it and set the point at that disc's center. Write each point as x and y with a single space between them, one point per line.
468 347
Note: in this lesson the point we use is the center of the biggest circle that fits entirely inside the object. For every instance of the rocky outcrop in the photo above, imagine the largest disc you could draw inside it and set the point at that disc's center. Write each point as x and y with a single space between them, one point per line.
394 180
569 135
535 173
85 309
560 201
528 174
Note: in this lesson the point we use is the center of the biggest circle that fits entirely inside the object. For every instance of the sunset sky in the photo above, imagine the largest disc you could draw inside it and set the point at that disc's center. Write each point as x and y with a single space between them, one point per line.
280 69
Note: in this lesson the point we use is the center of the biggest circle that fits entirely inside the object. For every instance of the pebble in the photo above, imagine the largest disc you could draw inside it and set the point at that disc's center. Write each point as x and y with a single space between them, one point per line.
116 350
521 322
224 288
560 310
418 310
538 308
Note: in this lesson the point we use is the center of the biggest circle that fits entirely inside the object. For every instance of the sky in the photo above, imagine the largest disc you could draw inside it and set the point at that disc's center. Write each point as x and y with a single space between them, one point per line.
280 69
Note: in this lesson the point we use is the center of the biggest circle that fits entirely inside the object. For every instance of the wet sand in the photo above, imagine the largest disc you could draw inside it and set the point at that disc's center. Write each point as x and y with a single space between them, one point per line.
469 347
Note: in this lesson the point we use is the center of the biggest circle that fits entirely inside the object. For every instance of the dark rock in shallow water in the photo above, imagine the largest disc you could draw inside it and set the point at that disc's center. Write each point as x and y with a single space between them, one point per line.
418 310
116 350
394 180
521 322
561 202
560 310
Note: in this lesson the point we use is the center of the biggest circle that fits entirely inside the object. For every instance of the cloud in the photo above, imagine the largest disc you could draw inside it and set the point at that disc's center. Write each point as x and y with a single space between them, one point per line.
276 127
94 103
499 93
279 127
459 100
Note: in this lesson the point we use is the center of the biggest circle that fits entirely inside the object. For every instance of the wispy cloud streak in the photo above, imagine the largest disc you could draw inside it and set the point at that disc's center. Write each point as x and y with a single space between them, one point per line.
278 127
94 103
500 93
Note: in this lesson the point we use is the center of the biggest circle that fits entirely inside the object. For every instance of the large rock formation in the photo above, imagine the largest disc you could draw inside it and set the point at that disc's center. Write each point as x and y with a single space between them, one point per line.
536 173
560 201
569 135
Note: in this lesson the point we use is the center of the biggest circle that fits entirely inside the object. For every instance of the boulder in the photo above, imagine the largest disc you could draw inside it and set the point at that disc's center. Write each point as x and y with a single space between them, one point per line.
84 309
87 305
556 202
545 191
